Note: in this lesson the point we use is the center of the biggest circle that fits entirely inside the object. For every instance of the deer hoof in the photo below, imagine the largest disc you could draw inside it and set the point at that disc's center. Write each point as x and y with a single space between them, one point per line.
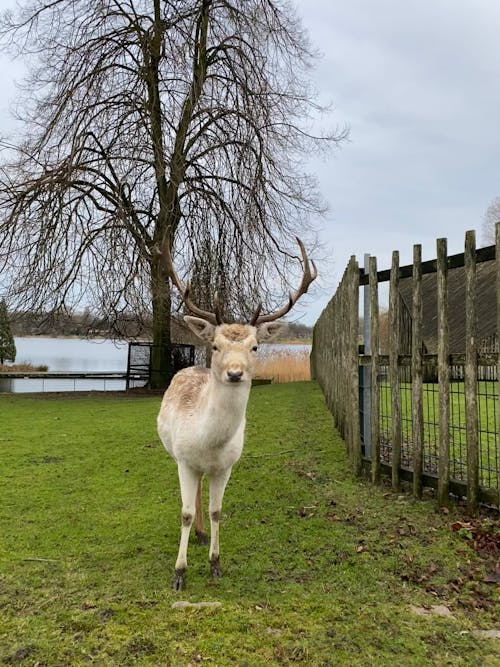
202 538
179 581
215 568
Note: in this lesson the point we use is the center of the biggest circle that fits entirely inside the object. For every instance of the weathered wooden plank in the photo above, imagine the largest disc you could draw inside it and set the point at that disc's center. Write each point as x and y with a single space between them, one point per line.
457 488
443 375
416 373
497 260
353 370
486 254
470 374
374 345
366 371
393 369
483 359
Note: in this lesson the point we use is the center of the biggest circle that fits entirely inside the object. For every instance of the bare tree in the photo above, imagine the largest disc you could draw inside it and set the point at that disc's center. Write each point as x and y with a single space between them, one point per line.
154 123
491 217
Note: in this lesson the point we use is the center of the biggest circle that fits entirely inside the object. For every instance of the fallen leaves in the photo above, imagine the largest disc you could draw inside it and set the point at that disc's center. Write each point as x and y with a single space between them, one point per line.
493 577
361 547
483 540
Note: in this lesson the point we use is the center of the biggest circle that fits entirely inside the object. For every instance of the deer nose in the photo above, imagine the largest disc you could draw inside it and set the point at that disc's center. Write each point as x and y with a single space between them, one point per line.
234 376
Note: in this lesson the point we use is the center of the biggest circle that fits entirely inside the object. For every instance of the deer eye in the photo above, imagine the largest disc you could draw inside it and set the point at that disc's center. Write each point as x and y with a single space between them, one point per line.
214 348
254 348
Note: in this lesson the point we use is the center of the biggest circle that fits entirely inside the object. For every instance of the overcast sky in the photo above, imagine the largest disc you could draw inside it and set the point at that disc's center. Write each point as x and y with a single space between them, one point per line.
418 85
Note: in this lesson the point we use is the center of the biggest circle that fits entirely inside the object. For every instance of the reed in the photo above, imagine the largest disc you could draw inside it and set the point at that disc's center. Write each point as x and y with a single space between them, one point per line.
23 368
284 366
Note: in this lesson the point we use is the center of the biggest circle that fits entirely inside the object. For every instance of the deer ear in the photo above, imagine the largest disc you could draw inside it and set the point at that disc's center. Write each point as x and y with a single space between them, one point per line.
201 328
270 330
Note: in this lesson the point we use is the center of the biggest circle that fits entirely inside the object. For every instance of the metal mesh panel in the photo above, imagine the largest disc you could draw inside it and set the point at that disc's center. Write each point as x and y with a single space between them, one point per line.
139 362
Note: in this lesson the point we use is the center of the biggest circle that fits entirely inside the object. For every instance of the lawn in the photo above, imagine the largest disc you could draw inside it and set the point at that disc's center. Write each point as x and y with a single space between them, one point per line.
320 568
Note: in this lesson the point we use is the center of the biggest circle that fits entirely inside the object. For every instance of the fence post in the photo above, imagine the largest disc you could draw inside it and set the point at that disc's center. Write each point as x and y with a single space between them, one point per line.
127 381
374 347
416 373
443 374
394 370
471 373
367 440
353 302
497 263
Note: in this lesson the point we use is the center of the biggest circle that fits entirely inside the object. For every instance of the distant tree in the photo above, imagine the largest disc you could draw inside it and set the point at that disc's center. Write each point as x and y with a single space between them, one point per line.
491 217
7 345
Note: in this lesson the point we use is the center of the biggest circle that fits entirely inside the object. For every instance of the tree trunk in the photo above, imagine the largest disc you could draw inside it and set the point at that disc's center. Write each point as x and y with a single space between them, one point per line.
161 370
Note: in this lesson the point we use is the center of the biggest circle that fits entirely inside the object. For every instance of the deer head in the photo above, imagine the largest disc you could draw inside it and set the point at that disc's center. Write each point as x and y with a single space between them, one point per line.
234 345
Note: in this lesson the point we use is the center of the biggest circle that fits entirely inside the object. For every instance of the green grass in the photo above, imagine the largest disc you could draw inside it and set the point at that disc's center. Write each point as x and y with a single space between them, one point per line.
319 568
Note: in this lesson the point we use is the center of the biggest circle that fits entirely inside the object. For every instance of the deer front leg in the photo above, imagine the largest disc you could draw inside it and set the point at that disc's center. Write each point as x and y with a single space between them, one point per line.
199 527
189 480
217 486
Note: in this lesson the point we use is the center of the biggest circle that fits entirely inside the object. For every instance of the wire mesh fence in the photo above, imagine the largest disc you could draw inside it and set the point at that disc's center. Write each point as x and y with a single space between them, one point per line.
487 424
427 403
140 366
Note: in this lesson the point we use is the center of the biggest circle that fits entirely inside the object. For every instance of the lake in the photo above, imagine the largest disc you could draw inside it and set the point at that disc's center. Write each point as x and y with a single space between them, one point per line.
69 354
81 354
73 354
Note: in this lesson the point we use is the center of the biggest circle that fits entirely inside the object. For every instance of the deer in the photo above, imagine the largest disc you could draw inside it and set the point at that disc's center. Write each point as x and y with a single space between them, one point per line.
202 417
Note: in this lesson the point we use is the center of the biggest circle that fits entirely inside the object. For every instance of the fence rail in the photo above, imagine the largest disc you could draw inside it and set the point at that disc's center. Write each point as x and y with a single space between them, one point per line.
430 418
57 381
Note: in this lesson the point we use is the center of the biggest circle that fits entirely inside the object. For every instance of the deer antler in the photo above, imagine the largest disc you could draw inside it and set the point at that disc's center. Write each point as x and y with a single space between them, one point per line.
307 278
213 318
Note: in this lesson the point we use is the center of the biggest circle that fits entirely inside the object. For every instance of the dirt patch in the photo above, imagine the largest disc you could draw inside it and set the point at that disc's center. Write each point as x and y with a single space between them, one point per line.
141 647
20 655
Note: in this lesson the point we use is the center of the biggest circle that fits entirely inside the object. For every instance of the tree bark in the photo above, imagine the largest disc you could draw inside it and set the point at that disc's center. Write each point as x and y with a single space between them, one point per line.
161 370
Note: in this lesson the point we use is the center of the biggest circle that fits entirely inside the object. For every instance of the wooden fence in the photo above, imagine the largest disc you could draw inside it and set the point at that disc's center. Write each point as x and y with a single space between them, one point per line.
442 433
334 359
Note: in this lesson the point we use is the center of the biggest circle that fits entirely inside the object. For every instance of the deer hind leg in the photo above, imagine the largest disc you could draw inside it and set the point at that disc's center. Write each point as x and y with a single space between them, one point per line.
189 482
199 527
217 487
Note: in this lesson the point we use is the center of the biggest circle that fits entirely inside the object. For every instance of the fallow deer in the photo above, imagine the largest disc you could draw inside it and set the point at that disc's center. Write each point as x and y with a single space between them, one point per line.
201 421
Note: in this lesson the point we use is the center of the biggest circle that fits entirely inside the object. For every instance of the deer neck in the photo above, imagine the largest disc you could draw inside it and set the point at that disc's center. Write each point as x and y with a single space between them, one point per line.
226 402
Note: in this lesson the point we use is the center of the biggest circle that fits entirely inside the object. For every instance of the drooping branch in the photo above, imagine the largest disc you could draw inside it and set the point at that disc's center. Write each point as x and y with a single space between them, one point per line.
151 123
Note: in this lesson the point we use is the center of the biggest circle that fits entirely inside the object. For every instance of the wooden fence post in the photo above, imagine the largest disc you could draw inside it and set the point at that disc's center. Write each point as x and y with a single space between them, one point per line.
471 374
394 370
443 374
374 344
497 261
354 365
367 370
416 373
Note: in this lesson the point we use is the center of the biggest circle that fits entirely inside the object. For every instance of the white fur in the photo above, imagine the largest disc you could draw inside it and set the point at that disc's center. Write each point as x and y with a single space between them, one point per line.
202 422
